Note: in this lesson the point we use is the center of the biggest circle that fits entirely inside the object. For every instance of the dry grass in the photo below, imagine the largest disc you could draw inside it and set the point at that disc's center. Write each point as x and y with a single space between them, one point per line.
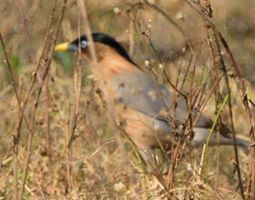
56 141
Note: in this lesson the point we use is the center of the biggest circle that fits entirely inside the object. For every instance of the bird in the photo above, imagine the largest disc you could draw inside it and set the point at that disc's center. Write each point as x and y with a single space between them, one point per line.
150 115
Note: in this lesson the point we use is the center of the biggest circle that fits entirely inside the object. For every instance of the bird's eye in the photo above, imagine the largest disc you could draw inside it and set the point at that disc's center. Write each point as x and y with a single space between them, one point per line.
84 44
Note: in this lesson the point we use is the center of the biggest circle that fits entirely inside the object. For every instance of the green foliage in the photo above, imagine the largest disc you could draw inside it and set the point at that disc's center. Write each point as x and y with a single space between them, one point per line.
15 63
1 53
65 58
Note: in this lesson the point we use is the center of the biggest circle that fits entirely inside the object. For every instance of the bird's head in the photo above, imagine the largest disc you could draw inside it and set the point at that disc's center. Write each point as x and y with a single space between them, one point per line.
101 41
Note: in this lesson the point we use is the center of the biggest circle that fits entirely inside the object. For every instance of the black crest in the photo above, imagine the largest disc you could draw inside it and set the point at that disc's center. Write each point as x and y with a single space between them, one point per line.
108 40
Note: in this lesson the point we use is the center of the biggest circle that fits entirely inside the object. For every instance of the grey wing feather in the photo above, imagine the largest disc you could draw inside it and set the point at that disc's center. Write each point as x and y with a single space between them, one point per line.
140 92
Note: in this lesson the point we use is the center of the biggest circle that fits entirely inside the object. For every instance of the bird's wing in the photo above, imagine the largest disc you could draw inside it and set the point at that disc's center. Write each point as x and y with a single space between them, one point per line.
140 92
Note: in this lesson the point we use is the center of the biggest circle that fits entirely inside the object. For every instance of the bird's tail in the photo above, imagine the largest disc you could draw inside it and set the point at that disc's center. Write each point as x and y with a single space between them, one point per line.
201 135
244 144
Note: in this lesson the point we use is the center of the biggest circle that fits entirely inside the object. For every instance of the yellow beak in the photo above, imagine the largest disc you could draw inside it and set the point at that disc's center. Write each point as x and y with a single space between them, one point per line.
62 47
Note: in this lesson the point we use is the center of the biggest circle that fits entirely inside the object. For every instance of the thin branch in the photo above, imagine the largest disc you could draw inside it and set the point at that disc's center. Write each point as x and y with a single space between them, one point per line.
47 58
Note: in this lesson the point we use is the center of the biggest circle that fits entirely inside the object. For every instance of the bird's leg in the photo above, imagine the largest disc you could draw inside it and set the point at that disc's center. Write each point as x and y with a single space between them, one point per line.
161 159
155 159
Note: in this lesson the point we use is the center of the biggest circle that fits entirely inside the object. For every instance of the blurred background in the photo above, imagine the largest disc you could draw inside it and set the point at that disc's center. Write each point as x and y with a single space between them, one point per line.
94 165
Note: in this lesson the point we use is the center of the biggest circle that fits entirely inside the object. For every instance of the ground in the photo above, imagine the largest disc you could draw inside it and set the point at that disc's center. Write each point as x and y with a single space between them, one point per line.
62 146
